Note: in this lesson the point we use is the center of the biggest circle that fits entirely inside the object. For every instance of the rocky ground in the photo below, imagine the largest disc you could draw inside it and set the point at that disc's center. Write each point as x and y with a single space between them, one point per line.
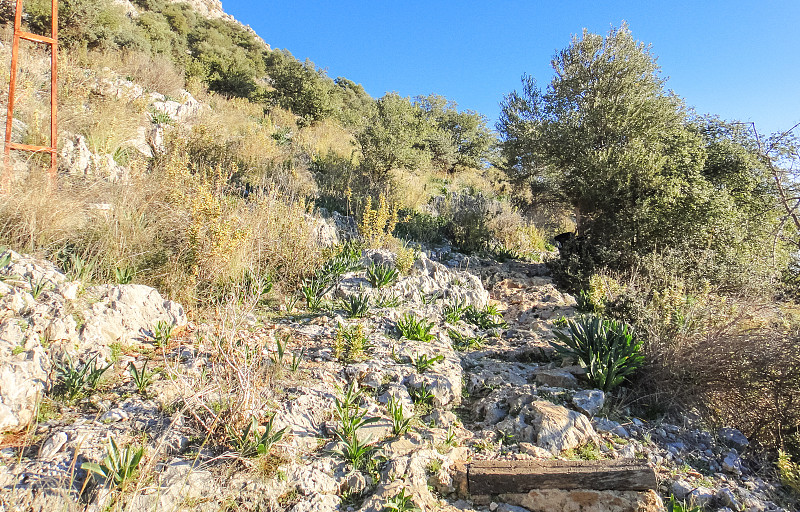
470 393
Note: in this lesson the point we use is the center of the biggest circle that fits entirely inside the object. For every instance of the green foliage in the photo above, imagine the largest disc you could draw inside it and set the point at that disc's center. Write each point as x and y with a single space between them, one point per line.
77 379
256 285
454 311
303 88
280 350
415 328
420 226
401 502
80 269
162 333
351 419
421 396
141 378
391 139
37 287
454 139
388 300
356 305
329 276
119 466
428 132
605 347
400 424
467 217
610 140
160 117
450 440
351 344
124 275
463 343
93 23
250 443
673 505
380 275
789 472
313 289
424 363
297 358
487 318
226 57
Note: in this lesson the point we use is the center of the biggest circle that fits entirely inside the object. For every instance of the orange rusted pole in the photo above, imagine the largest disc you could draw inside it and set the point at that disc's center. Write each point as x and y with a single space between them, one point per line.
11 91
54 94
12 87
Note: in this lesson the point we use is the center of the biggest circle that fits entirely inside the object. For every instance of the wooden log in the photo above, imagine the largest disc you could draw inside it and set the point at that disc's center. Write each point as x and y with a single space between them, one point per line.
521 476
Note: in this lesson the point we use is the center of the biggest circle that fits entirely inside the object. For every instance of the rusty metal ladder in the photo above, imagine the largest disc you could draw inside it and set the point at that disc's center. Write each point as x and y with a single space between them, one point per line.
53 42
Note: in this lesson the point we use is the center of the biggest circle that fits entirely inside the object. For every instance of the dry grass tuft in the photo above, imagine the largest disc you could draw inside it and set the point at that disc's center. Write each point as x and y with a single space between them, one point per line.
153 72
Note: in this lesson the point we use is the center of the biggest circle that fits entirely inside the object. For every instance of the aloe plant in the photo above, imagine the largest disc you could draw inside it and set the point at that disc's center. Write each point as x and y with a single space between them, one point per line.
400 424
424 363
454 311
124 275
415 328
141 378
75 378
352 447
356 305
401 502
606 348
250 444
380 275
162 333
118 466
487 318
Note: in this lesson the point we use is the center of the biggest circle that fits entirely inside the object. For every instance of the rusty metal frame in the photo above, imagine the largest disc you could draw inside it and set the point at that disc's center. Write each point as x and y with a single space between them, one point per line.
52 41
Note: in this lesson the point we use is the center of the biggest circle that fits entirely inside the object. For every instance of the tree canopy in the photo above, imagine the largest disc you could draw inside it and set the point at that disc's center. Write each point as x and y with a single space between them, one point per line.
640 171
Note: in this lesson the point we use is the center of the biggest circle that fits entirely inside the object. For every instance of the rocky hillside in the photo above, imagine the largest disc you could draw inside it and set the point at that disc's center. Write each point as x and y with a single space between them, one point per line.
348 413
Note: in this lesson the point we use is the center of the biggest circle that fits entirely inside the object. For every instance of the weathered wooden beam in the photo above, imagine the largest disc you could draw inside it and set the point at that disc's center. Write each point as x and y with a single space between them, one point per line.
521 476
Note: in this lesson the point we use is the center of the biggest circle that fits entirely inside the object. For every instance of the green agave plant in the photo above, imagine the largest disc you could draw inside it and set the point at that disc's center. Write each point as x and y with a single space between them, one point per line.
119 465
606 348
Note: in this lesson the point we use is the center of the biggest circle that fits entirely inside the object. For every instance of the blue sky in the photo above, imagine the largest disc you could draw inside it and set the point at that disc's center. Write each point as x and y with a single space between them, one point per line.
738 59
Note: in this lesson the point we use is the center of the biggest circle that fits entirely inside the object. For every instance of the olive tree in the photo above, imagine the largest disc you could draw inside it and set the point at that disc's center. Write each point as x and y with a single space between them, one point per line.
608 138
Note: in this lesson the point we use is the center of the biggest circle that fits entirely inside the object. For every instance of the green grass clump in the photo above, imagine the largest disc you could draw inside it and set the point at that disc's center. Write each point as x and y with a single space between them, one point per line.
380 275
415 328
119 466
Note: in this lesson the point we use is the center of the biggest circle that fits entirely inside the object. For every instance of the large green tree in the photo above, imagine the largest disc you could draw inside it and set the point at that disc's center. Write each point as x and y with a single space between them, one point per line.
610 140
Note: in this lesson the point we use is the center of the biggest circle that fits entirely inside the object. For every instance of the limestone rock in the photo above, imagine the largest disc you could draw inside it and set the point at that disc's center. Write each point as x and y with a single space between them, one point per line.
556 378
180 487
548 500
23 378
549 426
733 438
127 314
701 496
179 110
732 463
318 503
558 428
78 160
681 488
589 401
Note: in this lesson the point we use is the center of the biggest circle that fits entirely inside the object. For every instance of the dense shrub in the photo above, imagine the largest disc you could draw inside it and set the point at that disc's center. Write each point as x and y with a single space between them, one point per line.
727 355
188 234
89 23
420 226
641 173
